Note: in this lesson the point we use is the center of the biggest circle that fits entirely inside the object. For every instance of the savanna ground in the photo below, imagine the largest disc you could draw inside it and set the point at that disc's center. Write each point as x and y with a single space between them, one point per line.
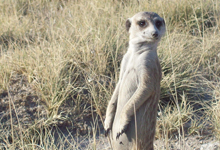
60 59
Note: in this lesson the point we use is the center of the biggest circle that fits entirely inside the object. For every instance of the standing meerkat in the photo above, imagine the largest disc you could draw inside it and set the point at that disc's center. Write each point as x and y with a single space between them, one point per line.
132 111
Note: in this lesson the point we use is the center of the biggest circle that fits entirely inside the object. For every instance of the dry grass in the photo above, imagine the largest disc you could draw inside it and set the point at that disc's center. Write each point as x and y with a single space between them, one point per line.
59 62
215 111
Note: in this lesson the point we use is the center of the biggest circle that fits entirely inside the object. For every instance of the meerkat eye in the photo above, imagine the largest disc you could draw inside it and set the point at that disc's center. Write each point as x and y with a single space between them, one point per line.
141 23
158 24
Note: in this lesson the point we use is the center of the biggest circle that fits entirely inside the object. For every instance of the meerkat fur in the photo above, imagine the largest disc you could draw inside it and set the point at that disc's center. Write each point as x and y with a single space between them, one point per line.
138 89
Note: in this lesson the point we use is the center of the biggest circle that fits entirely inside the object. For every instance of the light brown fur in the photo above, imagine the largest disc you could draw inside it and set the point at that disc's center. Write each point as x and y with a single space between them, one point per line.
138 89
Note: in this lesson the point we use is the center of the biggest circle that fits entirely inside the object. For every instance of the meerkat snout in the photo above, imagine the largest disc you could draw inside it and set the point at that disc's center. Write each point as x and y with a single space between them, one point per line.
154 34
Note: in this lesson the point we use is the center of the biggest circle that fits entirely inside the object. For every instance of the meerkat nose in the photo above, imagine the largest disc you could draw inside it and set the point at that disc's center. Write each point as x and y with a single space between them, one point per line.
154 34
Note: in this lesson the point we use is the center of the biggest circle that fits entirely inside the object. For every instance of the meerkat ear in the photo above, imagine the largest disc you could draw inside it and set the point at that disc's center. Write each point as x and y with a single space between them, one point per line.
128 24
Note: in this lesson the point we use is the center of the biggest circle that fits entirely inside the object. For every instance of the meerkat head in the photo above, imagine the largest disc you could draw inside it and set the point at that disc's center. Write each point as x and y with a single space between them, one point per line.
145 27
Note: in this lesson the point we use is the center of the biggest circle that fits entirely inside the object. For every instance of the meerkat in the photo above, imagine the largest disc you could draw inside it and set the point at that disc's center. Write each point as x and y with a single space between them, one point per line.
132 111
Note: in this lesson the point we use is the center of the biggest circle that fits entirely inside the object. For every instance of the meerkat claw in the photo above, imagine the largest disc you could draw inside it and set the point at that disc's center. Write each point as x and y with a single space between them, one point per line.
117 137
120 133
106 132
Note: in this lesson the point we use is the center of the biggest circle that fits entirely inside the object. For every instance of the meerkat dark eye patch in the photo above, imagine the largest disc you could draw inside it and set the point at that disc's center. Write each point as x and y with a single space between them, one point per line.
158 23
142 23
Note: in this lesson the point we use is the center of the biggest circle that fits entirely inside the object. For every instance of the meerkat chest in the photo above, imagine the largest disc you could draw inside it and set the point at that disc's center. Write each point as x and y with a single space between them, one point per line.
134 62
131 71
130 66
135 65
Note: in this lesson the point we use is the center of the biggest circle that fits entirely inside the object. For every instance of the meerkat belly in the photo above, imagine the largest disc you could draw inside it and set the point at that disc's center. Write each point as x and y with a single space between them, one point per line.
128 86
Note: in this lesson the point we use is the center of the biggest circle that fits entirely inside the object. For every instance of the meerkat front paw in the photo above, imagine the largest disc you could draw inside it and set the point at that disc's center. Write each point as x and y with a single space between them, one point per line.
107 127
122 129
106 132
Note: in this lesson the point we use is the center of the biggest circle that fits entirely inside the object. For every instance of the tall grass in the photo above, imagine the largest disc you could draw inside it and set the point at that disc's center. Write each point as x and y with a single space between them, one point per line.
64 57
